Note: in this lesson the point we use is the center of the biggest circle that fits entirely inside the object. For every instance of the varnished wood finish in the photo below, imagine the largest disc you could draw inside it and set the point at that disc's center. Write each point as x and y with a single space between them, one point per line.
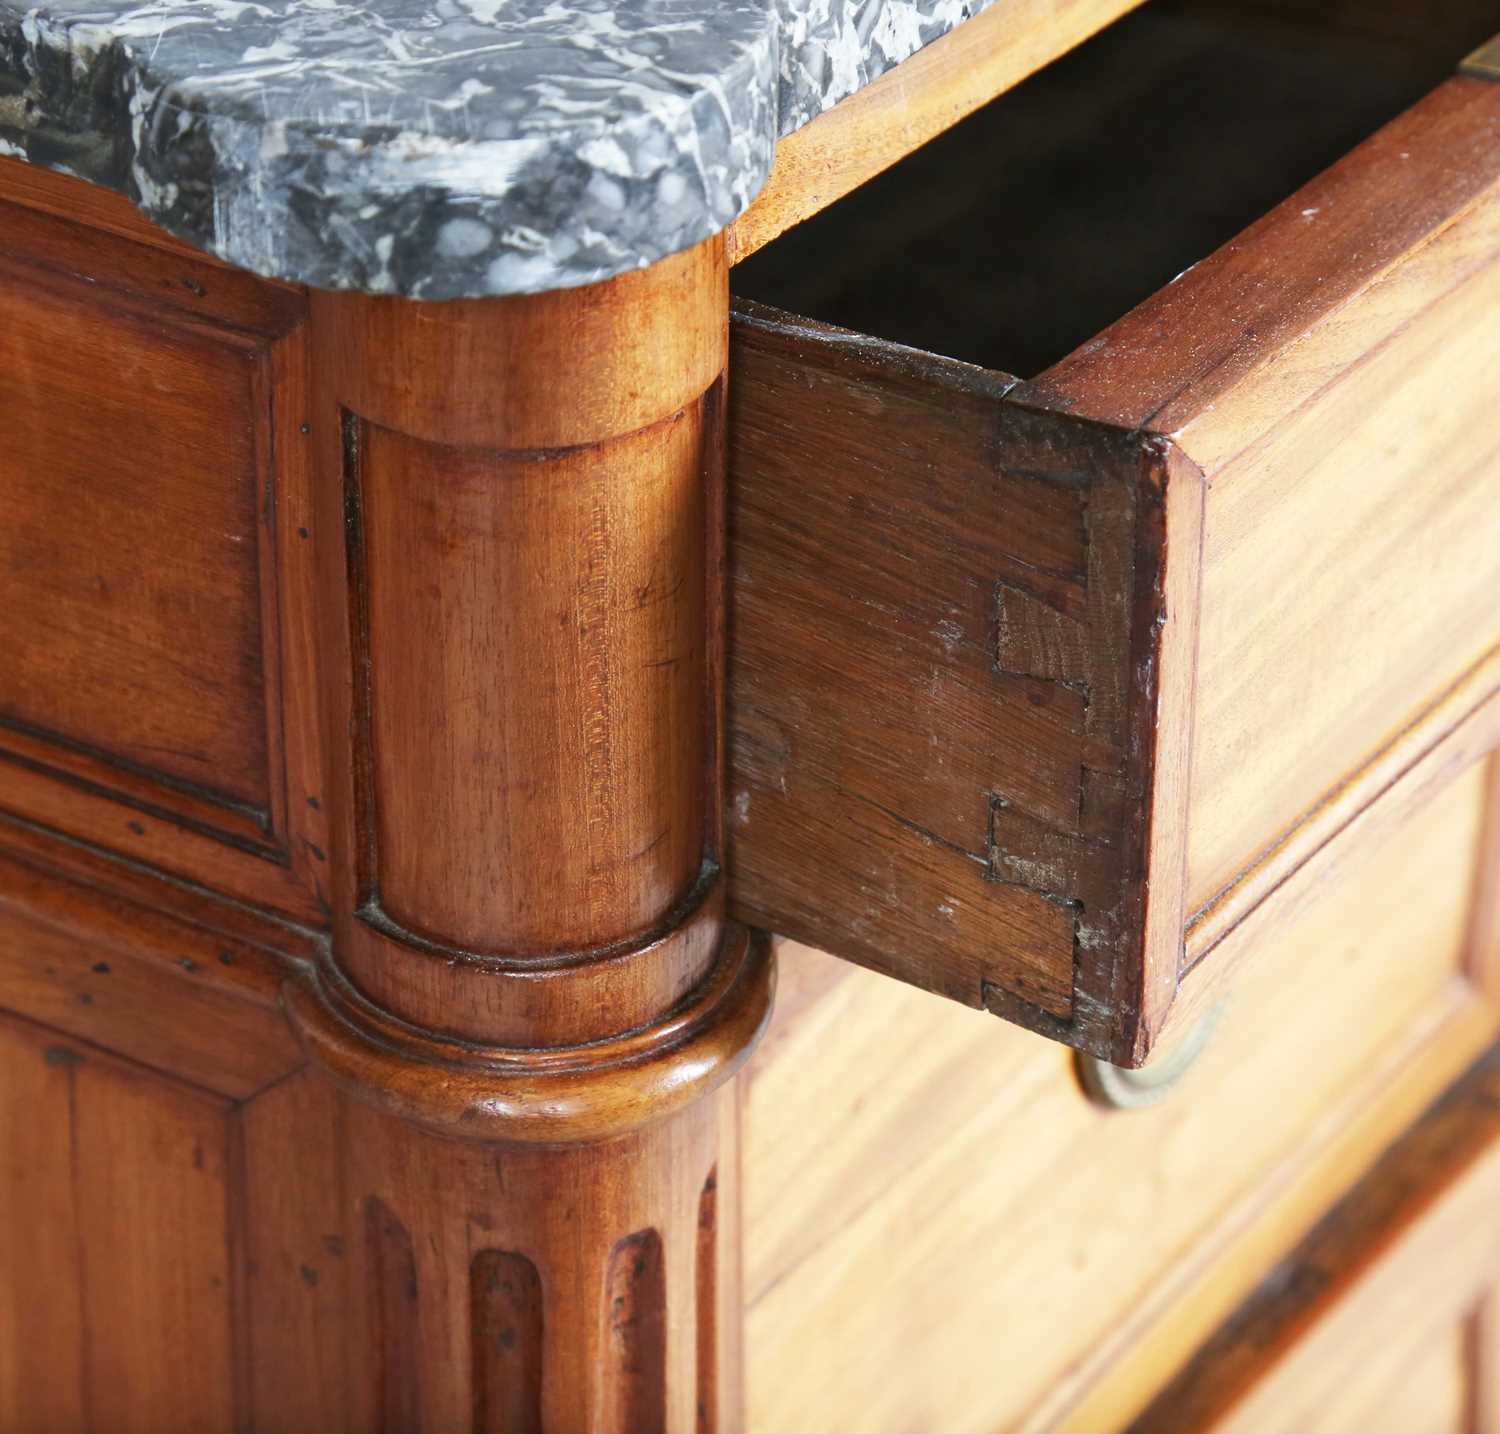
420 1265
118 1192
162 991
1400 1278
952 654
331 1268
519 594
936 87
1458 730
525 628
1103 1244
1170 673
154 543
437 866
521 544
1334 414
930 773
488 742
583 1091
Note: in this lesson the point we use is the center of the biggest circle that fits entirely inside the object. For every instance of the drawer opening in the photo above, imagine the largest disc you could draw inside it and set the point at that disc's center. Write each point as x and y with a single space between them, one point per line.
1022 232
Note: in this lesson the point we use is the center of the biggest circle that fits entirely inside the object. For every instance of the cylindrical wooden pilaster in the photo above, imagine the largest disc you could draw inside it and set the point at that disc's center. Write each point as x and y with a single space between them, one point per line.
521 544
512 1289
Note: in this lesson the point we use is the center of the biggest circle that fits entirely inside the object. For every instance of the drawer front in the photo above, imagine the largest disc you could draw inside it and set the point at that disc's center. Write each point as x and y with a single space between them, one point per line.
1333 375
1040 691
942 1232
1384 1320
155 568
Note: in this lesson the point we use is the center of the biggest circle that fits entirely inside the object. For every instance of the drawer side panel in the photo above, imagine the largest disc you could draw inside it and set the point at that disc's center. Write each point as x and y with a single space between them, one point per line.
945 646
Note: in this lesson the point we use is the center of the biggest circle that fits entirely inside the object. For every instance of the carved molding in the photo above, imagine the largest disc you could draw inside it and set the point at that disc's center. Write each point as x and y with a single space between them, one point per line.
562 1094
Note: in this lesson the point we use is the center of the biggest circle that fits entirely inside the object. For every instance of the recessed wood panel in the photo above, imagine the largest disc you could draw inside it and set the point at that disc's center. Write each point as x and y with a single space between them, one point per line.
115 1262
156 690
130 544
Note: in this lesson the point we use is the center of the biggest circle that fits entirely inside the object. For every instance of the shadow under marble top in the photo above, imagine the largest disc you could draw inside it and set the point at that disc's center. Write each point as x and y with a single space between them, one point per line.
438 148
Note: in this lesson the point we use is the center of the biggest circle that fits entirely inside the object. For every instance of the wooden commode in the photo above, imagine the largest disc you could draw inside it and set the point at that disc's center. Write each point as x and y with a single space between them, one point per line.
751 717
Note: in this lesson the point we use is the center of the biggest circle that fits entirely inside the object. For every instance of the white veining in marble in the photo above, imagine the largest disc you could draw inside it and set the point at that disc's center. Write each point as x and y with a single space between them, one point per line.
438 148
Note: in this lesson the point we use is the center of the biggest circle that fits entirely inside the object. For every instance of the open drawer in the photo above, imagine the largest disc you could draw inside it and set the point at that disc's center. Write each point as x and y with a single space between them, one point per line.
1040 689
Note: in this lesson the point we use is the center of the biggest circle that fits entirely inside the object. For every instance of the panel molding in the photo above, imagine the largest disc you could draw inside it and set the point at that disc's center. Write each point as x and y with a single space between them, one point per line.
97 772
270 851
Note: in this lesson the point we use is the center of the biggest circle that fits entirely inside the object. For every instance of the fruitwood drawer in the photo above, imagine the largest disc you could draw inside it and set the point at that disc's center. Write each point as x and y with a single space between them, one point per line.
1040 690
943 1233
1386 1320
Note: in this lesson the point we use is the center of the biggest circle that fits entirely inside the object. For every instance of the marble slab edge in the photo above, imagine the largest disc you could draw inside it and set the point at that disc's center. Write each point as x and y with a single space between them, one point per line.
438 149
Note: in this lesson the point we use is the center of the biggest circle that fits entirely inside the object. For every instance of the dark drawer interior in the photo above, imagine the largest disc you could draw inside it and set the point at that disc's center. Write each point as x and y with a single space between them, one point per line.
1019 234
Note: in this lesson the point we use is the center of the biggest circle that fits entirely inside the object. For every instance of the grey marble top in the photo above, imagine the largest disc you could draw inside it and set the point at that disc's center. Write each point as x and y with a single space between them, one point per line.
438 148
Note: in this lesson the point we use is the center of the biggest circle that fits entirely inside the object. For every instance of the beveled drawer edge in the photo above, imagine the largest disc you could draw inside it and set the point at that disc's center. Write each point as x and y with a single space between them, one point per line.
1457 727
1452 1140
1462 727
1120 1009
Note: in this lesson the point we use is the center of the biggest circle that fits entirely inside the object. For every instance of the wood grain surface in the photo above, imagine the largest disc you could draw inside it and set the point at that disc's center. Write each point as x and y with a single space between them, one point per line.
1341 415
155 560
116 1247
954 1183
952 650
1382 1320
417 613
1321 385
371 669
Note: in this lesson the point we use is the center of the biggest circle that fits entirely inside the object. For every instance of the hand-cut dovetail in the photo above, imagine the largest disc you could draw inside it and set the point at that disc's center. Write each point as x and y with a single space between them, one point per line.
505 1327
636 1326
